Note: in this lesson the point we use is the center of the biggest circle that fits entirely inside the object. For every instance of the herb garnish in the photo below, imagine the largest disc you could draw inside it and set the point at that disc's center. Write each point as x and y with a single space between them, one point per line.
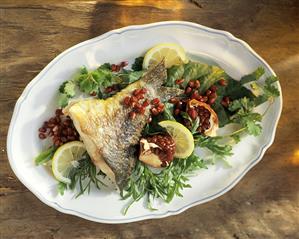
84 175
165 184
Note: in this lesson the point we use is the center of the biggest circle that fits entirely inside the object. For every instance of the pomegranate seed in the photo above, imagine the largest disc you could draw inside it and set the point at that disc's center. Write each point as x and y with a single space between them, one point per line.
192 113
108 89
226 99
173 100
132 115
52 120
155 101
213 88
137 107
117 68
42 130
58 112
160 107
136 92
224 103
211 101
42 136
149 120
133 104
213 95
197 84
145 103
143 91
113 67
177 111
124 63
188 90
208 92
93 93
154 111
195 95
179 105
141 111
223 82
191 83
179 81
140 97
204 99
127 100
133 99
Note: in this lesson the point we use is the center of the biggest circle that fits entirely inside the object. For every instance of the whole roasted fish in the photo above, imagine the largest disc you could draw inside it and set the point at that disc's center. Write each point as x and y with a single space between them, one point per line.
109 134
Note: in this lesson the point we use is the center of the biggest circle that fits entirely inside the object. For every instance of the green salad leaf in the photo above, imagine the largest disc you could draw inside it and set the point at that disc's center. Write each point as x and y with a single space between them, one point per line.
195 70
215 75
129 77
254 76
174 73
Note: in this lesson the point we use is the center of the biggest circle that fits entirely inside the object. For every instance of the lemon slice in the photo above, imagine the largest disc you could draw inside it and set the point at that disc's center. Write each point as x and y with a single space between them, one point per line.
65 158
172 53
184 143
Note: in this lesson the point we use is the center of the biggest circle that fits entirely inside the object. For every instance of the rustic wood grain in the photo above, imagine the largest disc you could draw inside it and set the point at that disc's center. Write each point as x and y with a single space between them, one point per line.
265 204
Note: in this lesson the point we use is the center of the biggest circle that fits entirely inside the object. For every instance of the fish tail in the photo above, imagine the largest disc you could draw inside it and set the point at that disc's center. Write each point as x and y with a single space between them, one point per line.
156 75
167 93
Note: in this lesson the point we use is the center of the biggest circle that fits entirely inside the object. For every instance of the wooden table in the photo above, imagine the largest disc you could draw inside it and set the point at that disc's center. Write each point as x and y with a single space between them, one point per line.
265 204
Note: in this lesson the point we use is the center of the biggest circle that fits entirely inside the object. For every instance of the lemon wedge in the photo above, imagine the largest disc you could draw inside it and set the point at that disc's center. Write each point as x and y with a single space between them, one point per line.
65 158
172 53
184 143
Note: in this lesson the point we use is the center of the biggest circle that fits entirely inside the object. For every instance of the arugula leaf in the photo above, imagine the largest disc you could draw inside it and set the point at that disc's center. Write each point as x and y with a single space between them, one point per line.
137 65
254 76
212 143
45 156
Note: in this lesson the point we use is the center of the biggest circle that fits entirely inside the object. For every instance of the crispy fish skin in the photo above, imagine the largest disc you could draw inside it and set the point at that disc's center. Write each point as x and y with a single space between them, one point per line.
108 132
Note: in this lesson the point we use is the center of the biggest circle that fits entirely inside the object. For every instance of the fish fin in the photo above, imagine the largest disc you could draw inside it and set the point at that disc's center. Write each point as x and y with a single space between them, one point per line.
167 93
156 75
